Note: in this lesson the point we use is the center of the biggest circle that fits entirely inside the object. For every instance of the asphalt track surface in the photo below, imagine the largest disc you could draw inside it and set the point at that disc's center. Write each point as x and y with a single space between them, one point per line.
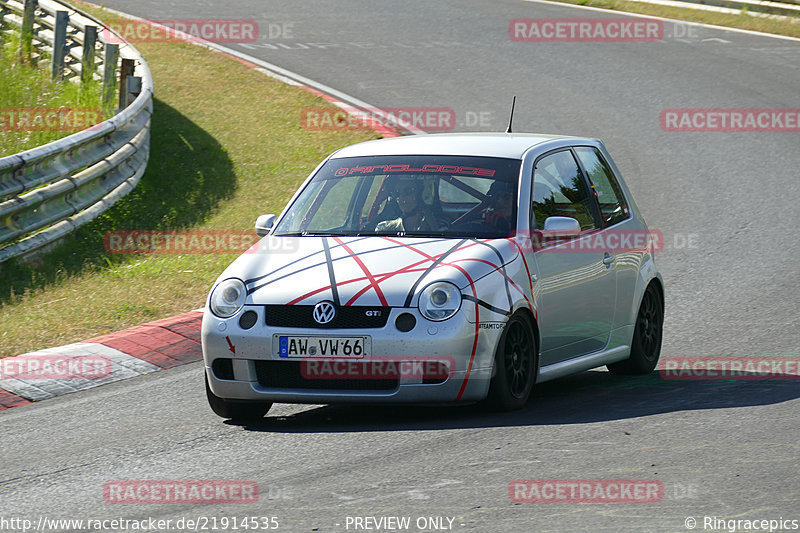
721 449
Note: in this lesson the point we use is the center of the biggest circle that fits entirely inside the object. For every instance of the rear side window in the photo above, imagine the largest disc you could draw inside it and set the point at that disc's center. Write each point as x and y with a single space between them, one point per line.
612 204
559 190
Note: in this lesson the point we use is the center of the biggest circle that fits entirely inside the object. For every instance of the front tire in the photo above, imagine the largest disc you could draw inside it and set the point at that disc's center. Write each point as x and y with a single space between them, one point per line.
236 409
516 365
646 342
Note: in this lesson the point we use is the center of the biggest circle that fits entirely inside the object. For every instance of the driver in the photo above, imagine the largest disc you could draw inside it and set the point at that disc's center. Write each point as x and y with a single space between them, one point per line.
415 214
501 205
494 214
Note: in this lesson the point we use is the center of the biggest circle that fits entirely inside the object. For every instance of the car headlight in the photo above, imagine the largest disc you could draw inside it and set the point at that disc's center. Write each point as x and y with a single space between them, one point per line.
228 298
439 301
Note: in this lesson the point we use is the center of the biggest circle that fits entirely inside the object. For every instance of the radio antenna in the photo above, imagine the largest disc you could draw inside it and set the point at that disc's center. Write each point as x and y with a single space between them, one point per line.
511 118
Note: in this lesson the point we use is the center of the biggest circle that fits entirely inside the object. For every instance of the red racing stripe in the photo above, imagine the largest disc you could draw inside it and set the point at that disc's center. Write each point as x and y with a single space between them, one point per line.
408 268
361 264
431 258
477 328
412 248
528 271
511 281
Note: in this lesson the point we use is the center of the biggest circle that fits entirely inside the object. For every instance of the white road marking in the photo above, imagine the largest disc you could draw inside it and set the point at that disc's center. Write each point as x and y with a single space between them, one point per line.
280 71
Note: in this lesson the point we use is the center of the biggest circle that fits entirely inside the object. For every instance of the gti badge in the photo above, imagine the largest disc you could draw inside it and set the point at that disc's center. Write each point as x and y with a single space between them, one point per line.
324 312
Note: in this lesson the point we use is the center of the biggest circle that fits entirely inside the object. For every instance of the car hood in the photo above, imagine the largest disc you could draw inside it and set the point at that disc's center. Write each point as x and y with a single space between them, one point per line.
369 271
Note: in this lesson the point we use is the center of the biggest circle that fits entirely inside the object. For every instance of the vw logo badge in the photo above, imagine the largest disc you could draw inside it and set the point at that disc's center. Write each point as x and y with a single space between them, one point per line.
324 312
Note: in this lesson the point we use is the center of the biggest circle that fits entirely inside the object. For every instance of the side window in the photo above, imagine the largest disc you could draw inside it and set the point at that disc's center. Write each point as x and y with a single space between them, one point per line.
559 190
613 208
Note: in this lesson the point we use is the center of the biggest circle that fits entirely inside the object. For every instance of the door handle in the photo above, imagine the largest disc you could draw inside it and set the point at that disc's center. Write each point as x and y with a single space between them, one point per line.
608 258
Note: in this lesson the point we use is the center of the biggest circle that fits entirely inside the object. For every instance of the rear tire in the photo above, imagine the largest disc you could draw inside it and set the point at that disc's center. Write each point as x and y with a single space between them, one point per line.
647 334
516 365
236 409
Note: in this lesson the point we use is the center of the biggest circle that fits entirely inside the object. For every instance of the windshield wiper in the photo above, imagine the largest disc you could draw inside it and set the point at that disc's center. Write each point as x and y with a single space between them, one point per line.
404 234
313 234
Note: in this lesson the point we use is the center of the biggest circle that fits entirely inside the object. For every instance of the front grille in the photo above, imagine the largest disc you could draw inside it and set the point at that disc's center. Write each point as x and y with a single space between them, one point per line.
349 316
289 375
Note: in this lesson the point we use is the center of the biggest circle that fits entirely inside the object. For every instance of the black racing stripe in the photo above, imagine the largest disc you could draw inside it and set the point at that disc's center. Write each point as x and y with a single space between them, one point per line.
331 275
433 265
253 280
487 305
503 267
254 289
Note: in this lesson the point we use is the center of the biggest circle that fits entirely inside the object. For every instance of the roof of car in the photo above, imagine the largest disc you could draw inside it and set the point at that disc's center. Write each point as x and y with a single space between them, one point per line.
508 145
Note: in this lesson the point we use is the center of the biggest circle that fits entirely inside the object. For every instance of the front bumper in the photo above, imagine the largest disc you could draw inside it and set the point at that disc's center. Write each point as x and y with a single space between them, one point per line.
468 346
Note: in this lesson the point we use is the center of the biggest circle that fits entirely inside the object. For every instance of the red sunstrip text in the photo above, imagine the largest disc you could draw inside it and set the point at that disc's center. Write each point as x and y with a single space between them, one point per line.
446 169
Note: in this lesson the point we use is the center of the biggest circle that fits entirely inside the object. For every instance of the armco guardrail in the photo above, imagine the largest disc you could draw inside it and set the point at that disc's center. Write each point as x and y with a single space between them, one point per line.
51 190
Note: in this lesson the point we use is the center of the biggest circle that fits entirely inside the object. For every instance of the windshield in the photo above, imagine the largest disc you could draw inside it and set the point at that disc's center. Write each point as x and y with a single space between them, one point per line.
437 196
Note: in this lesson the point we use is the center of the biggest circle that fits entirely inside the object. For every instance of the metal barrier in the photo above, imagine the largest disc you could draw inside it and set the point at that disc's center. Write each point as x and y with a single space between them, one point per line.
51 190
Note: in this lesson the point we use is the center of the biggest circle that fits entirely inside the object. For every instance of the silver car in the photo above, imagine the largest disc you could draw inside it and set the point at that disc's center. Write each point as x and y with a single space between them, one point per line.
437 268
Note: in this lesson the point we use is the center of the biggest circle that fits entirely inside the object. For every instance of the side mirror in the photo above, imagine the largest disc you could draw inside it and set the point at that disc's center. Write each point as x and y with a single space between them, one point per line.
264 223
561 227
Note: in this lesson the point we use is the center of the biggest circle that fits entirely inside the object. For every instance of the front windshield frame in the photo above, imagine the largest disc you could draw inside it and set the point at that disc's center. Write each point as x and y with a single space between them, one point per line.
407 196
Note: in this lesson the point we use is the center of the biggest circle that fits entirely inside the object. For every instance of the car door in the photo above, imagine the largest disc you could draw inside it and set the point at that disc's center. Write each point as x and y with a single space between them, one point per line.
621 232
576 285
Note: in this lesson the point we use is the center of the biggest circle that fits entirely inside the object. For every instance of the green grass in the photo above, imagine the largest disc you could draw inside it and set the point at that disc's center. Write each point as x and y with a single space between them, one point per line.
24 85
227 145
789 26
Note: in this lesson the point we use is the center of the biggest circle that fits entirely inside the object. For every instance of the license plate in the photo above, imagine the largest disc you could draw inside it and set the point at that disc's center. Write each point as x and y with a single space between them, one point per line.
310 346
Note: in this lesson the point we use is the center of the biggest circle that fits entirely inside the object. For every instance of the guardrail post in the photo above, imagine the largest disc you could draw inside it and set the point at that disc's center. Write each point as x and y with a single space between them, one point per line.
87 62
134 88
59 45
26 37
51 190
109 74
125 71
